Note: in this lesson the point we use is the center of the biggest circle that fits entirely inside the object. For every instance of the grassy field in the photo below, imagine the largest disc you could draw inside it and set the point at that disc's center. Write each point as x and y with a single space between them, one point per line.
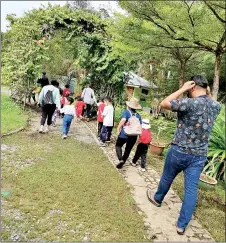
71 192
210 209
11 115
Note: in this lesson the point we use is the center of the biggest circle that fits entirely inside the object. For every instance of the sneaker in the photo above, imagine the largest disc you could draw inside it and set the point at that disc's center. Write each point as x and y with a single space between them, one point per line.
133 164
41 129
120 165
142 169
47 130
102 144
64 136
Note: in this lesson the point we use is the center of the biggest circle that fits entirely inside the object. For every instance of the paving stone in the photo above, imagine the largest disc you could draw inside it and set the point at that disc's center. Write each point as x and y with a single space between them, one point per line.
157 231
189 232
194 223
206 236
193 239
146 225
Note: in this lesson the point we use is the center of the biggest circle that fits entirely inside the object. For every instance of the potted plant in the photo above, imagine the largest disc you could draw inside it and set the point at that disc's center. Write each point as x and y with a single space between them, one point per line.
157 147
207 182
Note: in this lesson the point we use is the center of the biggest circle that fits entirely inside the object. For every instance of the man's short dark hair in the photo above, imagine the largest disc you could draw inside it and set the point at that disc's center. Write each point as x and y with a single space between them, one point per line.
109 99
70 99
200 80
44 73
57 84
66 86
54 83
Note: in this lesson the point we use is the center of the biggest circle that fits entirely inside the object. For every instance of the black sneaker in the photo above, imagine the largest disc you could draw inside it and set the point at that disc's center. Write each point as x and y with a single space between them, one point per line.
120 165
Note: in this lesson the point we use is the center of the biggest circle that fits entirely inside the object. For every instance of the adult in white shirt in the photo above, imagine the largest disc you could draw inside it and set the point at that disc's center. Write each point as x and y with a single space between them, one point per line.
89 98
49 100
108 123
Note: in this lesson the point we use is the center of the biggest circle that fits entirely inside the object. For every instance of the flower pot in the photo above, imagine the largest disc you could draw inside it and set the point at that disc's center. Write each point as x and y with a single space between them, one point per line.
207 182
156 149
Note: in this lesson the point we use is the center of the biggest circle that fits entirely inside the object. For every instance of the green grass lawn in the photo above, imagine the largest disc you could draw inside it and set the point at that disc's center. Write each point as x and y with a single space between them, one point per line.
74 179
12 117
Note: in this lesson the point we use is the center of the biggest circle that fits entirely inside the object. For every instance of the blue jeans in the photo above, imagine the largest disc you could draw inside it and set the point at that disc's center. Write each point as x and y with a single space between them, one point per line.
176 161
105 133
66 123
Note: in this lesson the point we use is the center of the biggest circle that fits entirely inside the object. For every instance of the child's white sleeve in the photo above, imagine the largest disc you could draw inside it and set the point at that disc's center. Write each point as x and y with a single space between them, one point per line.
62 110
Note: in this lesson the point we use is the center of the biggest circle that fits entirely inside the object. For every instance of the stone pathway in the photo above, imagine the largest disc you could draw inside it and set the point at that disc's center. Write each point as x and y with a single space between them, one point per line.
159 222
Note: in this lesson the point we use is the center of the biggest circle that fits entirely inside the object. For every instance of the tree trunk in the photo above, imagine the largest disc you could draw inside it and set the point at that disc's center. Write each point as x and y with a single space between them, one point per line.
216 79
182 73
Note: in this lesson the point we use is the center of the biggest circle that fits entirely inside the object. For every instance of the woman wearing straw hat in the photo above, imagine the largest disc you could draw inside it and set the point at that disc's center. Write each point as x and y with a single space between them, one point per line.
123 138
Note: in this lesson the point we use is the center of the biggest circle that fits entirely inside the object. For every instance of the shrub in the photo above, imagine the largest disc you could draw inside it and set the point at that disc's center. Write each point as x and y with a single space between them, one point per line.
215 166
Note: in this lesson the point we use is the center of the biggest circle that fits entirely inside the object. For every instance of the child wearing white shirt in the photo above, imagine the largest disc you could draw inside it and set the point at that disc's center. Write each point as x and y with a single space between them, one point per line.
108 122
69 115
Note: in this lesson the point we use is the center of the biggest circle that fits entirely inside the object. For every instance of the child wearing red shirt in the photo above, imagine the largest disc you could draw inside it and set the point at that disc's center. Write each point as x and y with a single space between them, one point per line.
142 148
80 105
100 118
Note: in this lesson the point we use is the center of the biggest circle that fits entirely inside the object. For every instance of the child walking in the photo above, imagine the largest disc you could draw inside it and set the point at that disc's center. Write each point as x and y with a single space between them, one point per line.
100 118
142 148
69 115
108 122
79 107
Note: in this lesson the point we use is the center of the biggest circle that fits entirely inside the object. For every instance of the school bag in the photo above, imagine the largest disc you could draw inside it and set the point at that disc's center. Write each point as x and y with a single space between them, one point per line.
48 98
133 126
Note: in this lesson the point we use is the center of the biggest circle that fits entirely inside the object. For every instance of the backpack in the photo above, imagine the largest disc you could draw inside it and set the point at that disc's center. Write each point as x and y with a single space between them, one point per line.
48 99
133 126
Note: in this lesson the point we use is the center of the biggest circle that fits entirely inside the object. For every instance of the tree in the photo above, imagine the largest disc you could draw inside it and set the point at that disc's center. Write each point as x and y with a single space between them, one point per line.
128 34
185 24
79 4
65 38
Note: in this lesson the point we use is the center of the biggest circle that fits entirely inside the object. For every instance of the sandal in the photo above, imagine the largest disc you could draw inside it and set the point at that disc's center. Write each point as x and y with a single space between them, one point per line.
180 232
151 198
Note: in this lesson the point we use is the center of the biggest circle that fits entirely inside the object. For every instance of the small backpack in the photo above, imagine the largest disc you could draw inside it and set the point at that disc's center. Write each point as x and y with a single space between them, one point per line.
133 126
48 99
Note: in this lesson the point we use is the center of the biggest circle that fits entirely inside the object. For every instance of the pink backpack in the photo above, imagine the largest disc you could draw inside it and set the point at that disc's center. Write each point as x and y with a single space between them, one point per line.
133 126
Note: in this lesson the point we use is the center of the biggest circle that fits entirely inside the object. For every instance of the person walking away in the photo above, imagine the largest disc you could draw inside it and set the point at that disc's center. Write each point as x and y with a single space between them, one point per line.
189 147
128 130
100 118
79 106
44 80
88 97
108 121
66 93
66 90
142 147
49 99
69 115
32 95
56 112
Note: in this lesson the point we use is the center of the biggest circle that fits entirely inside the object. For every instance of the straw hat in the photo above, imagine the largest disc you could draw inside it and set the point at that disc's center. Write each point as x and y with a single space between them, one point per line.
134 104
146 124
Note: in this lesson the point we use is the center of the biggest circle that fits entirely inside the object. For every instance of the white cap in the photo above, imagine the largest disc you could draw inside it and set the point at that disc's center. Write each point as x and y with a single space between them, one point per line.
146 124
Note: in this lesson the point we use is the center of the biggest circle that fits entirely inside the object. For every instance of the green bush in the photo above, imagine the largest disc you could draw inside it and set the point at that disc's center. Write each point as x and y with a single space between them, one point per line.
215 166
